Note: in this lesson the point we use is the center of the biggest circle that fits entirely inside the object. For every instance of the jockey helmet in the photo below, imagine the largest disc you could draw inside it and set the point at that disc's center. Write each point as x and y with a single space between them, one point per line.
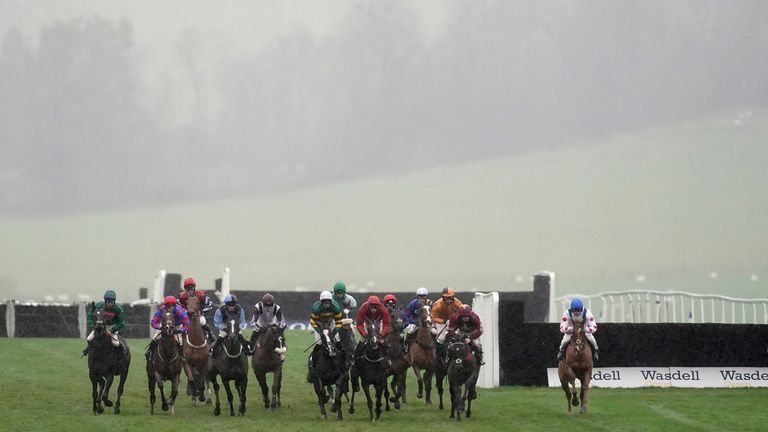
422 292
230 298
169 300
340 287
189 282
268 300
374 300
110 295
390 298
576 304
465 310
326 295
448 292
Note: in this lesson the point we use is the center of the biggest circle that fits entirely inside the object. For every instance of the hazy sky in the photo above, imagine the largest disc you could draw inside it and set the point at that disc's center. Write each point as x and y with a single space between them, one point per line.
117 107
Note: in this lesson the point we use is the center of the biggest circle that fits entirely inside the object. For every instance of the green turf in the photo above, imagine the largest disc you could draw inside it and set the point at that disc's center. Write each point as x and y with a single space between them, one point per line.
44 386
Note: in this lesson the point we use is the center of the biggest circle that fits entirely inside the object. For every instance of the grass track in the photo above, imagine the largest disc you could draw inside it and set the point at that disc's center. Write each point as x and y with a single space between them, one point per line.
44 386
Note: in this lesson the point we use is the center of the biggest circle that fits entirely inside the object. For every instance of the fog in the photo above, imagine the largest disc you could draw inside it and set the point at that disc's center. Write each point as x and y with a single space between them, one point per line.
109 106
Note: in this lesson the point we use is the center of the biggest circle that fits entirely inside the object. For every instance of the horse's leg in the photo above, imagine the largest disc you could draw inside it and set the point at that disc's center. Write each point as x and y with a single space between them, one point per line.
190 379
364 384
242 386
417 371
439 378
174 391
452 390
428 385
386 392
217 406
230 397
261 377
337 396
353 378
574 395
161 386
105 392
472 394
277 380
379 390
584 390
120 387
151 385
320 392
97 409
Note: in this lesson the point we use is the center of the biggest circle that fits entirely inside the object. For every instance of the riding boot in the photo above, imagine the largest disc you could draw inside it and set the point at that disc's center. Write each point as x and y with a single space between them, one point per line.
409 340
86 349
595 356
214 348
209 334
479 356
244 343
150 348
560 353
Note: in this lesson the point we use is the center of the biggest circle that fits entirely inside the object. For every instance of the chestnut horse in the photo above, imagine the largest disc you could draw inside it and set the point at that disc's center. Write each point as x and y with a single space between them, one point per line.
422 352
576 364
195 352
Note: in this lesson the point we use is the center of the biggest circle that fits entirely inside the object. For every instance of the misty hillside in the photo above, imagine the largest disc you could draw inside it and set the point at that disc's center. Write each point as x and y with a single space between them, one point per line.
668 205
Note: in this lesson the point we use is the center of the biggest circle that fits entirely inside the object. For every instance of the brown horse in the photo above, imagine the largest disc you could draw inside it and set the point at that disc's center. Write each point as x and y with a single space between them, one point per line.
577 364
268 357
397 370
165 364
195 352
422 352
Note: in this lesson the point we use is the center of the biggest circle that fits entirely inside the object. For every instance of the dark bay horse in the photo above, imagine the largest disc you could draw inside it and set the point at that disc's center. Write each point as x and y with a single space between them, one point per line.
104 362
329 373
576 364
195 352
268 358
463 370
398 368
370 370
165 364
441 367
422 352
231 362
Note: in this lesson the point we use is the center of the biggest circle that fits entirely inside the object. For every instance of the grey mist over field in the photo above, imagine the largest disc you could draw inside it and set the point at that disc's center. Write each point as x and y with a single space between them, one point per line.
391 145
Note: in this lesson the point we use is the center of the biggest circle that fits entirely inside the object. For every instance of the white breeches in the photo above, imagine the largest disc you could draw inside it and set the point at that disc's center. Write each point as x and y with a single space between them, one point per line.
567 338
115 340
336 337
442 331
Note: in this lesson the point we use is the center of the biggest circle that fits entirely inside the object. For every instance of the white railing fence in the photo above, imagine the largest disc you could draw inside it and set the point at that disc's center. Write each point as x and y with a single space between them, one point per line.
641 306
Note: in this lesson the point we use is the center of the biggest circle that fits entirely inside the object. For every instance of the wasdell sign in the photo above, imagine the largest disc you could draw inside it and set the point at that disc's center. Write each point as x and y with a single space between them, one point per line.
672 377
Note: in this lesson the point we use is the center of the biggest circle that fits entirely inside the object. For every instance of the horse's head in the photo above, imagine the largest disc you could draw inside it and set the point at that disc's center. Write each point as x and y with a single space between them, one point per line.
460 352
193 307
326 338
425 316
99 319
168 323
578 337
373 329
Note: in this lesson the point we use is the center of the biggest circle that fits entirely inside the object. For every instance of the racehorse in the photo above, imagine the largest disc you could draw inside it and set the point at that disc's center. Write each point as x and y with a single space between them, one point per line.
104 362
371 370
231 362
268 357
195 352
329 373
165 364
399 364
441 367
422 352
463 371
576 364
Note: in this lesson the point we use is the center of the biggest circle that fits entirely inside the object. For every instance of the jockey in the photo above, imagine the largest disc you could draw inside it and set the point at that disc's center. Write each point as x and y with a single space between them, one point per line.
371 311
326 313
411 314
182 322
390 302
115 316
466 325
348 304
266 313
577 313
205 303
442 311
227 312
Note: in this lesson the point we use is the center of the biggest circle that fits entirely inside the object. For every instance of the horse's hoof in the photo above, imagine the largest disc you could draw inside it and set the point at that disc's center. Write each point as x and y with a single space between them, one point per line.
351 410
419 395
217 411
107 402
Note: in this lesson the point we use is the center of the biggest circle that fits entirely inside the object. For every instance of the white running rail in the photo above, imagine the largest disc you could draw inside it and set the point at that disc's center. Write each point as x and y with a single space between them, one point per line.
641 306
